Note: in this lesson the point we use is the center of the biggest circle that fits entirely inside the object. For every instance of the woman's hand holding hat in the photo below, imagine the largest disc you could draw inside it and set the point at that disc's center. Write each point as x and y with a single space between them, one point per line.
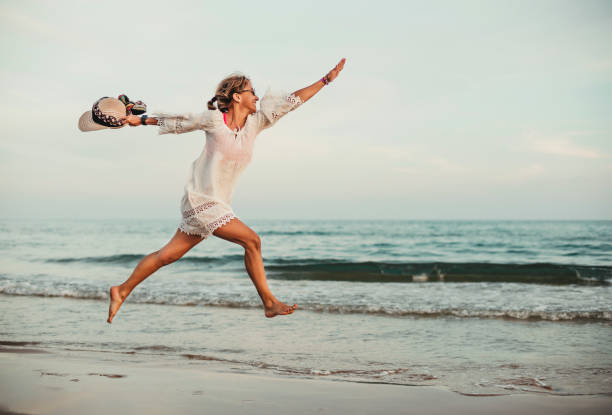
133 120
112 113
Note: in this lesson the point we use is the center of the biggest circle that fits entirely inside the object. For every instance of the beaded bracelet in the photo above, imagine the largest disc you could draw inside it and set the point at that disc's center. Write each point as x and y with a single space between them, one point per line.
324 80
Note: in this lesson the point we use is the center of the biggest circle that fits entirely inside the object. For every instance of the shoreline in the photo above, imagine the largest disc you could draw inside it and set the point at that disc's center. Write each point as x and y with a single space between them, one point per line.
77 383
478 356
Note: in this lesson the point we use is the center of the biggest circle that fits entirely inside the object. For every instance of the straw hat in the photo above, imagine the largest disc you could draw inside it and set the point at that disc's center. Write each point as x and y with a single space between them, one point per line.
105 113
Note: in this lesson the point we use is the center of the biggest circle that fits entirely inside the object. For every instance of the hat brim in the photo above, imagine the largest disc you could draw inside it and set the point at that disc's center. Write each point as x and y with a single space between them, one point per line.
86 123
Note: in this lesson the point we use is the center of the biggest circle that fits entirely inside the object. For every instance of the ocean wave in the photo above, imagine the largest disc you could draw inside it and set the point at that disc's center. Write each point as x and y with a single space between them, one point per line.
300 233
373 271
132 259
539 273
528 315
407 374
519 314
105 259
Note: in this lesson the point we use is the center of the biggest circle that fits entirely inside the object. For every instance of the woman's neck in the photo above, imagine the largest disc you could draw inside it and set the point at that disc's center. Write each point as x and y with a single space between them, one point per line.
236 118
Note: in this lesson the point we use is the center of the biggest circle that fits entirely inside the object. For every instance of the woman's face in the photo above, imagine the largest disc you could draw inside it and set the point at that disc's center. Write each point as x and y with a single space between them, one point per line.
248 99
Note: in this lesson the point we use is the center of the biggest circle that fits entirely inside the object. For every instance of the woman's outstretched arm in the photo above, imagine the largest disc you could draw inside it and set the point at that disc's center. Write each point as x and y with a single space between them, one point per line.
306 93
175 123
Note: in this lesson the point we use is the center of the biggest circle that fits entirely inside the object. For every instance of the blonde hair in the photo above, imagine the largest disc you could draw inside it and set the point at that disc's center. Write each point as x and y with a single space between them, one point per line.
225 90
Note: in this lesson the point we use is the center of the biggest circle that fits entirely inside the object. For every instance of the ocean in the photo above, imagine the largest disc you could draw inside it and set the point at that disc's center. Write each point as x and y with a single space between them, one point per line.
478 307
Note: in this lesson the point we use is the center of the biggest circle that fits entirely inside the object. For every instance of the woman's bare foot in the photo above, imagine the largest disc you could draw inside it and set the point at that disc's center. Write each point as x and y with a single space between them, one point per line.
116 299
277 308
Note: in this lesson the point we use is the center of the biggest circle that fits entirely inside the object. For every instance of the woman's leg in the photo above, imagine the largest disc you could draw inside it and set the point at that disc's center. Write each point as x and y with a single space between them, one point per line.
175 249
237 232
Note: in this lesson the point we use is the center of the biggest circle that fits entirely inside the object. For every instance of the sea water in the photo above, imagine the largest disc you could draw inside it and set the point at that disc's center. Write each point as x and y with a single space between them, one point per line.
479 307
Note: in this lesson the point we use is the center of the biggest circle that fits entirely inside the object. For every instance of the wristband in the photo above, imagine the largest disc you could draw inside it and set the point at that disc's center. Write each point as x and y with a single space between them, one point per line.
143 119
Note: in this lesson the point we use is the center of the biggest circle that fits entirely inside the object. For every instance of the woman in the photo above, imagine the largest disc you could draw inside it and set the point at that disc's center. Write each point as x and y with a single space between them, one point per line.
230 134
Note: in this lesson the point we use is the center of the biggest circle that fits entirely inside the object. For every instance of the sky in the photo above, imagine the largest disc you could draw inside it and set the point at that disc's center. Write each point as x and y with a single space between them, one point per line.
444 110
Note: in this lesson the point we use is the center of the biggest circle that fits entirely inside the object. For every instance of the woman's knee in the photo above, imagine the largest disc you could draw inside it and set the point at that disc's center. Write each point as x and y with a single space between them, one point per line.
166 257
252 242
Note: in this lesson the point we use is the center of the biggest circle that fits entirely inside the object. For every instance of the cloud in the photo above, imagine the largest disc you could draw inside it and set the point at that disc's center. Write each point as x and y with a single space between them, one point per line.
599 65
390 152
560 146
530 171
564 148
25 22
444 165
524 173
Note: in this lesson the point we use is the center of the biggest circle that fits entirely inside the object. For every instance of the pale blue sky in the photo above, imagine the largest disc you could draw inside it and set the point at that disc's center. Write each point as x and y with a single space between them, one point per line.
445 109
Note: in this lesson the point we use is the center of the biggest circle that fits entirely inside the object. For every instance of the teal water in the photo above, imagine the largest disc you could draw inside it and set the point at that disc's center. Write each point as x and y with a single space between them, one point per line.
478 307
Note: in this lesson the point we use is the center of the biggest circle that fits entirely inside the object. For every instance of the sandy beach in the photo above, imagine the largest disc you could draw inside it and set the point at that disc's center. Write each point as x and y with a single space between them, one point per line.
41 382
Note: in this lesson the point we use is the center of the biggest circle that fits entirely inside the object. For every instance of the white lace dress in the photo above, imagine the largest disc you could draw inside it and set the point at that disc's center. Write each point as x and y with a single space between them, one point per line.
206 204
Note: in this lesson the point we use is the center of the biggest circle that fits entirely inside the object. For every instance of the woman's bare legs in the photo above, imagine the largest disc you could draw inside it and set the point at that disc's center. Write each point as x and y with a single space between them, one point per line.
236 231
172 251
181 243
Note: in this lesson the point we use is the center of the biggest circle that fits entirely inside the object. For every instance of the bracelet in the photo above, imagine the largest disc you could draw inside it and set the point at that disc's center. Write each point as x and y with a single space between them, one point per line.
324 80
143 119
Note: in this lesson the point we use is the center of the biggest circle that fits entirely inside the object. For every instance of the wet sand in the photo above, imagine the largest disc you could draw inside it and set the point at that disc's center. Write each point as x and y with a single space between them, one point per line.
77 383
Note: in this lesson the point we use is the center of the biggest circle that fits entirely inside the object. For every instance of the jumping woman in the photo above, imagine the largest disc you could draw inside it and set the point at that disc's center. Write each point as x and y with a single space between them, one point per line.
231 128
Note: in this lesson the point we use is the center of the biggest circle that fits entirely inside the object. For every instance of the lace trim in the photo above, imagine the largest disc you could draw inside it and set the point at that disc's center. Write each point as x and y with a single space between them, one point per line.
210 228
176 128
294 100
198 209
185 230
223 220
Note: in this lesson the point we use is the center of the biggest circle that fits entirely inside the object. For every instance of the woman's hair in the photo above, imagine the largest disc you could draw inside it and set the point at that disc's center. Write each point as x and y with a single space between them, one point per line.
227 87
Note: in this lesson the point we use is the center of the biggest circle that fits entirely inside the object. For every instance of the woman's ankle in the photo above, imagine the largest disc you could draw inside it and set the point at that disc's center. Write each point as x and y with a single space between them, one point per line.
123 291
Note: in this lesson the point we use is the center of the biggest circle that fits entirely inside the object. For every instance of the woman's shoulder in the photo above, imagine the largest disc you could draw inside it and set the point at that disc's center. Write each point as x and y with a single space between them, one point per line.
274 105
210 119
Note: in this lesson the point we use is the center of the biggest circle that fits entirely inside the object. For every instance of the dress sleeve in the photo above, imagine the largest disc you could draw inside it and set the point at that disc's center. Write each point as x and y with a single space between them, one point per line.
273 106
184 123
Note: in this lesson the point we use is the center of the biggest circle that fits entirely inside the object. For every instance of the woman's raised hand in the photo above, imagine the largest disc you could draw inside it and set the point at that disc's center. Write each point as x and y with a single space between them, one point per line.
335 71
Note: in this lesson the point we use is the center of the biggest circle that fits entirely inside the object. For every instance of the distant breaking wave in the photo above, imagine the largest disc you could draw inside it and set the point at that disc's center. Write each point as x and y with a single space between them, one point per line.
529 315
398 272
556 274
132 259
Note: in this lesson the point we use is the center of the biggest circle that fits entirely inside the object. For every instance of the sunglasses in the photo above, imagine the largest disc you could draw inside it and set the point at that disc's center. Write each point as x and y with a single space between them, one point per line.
252 91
